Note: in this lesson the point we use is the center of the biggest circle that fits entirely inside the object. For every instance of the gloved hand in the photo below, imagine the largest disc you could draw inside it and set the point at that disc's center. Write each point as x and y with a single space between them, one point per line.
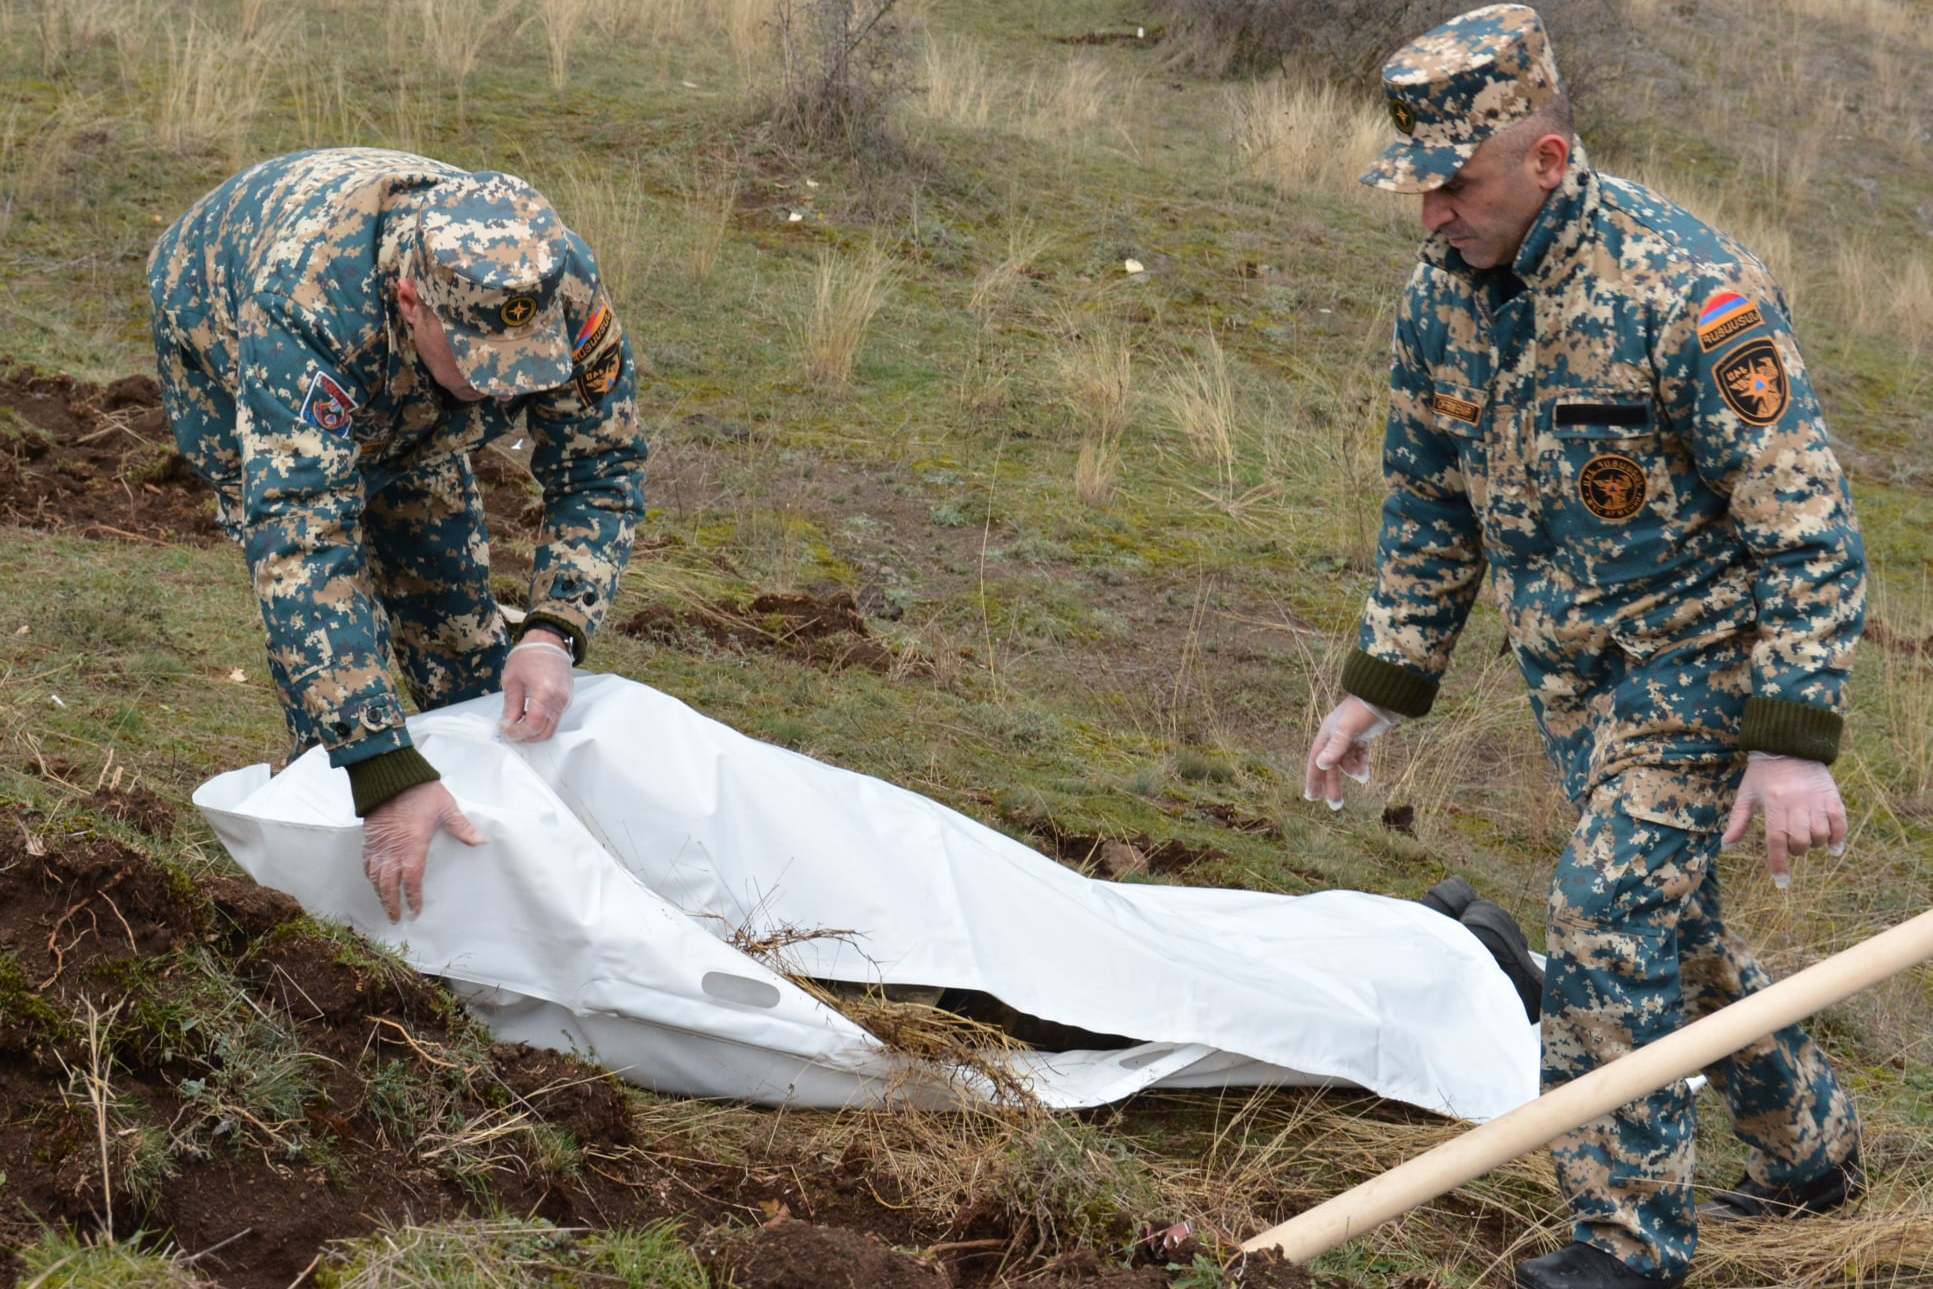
396 842
1342 747
1802 810
536 688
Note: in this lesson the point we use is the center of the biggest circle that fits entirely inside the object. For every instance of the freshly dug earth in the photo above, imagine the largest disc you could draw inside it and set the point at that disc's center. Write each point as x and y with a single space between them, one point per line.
825 631
96 460
273 1085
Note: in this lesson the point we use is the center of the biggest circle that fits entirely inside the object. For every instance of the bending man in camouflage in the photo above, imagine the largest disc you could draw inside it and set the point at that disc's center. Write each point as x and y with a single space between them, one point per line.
337 331
1601 399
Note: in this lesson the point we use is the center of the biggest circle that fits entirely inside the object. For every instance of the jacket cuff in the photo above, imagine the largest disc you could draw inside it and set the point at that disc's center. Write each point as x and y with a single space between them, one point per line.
376 780
1781 726
1385 684
579 642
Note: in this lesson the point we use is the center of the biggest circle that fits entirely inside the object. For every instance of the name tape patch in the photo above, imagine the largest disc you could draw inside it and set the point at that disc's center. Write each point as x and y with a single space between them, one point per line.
327 406
1725 315
1457 409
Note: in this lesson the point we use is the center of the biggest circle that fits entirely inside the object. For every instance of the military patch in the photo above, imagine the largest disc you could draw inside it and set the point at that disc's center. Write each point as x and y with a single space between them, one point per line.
597 377
327 406
1724 316
594 332
1751 378
1403 114
518 311
1457 409
1612 486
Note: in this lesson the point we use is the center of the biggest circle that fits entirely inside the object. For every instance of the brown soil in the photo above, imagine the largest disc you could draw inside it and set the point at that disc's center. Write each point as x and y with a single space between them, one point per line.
789 1254
96 460
1162 857
824 631
84 920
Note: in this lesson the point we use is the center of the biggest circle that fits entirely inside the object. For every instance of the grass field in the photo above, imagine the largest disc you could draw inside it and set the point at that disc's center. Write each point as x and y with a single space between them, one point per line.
1108 530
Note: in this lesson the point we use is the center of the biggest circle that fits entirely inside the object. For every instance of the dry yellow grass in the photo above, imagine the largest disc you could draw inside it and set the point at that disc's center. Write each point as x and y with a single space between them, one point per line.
994 288
710 197
1300 137
959 85
846 294
562 21
1062 102
1097 386
213 88
1199 400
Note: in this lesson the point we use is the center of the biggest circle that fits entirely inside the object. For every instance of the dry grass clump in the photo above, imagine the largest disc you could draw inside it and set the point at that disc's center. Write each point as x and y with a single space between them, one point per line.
959 84
1299 136
1199 400
710 198
1097 387
562 21
1069 100
456 32
846 294
213 88
996 285
613 215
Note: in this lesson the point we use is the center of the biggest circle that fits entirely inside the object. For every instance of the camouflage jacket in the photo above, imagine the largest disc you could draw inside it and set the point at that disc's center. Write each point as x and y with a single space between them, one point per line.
1621 428
289 270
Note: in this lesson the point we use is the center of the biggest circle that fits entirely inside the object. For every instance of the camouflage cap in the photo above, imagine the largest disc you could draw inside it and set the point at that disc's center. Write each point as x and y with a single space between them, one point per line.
1454 87
491 253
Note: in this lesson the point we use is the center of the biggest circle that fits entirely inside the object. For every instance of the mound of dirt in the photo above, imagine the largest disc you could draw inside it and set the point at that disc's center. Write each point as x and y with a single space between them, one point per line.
799 1255
271 1085
96 460
824 631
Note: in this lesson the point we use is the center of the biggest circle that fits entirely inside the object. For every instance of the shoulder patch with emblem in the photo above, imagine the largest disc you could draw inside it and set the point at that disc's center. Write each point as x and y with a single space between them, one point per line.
1612 486
599 375
1751 379
1457 409
327 406
1726 315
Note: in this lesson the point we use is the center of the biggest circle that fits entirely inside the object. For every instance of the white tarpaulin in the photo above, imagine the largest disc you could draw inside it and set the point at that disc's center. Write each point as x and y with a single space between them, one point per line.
625 851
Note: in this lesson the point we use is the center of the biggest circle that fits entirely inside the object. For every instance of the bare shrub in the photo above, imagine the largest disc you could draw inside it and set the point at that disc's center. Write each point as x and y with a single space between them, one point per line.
845 295
842 66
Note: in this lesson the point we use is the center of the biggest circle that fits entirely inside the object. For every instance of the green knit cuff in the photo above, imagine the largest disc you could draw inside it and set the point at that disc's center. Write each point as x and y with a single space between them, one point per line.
1791 729
376 780
579 642
1386 685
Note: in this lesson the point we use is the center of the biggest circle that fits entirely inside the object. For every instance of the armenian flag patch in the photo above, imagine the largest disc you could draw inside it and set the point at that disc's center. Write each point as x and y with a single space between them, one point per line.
1724 316
592 333
327 406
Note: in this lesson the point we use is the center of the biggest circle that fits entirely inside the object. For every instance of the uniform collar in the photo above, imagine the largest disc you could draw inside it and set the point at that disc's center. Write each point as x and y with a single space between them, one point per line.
1551 247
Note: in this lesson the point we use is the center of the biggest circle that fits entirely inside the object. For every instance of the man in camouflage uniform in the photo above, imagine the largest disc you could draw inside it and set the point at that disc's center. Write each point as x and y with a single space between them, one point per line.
1600 399
337 331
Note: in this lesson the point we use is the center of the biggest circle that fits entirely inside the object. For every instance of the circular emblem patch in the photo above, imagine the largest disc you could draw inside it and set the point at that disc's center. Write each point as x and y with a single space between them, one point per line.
518 310
1403 114
1612 486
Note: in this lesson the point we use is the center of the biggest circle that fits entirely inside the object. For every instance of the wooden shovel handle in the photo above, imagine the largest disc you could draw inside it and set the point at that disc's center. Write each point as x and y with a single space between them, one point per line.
1678 1055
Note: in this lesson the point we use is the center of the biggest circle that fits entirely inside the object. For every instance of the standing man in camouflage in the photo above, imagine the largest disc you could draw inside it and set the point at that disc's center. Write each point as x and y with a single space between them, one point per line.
337 331
1600 399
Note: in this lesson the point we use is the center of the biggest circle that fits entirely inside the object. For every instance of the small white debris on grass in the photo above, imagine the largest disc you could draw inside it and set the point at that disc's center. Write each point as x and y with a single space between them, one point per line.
690 85
1140 33
24 630
794 216
238 677
1134 266
55 700
812 183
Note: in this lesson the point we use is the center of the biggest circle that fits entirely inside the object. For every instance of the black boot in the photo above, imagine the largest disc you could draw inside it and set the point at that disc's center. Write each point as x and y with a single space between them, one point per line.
1583 1266
1500 934
1749 1201
1449 897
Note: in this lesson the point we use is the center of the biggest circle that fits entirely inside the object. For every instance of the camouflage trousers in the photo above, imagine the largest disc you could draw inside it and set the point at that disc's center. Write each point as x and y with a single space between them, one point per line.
1637 948
425 548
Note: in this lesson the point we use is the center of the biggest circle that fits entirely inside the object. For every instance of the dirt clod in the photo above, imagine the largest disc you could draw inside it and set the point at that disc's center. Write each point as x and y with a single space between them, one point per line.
799 1255
98 461
824 631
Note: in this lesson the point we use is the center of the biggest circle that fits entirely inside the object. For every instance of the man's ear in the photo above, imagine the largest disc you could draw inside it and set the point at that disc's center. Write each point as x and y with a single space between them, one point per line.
1552 156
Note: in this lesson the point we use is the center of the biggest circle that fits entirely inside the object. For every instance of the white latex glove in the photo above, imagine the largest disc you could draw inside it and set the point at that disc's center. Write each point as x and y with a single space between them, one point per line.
1342 747
536 688
396 842
1802 810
